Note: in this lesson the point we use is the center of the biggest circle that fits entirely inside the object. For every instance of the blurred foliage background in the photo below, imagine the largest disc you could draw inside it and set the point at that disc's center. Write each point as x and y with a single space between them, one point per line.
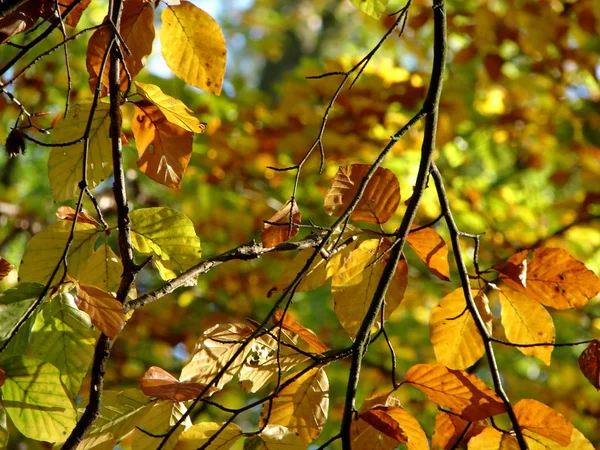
518 145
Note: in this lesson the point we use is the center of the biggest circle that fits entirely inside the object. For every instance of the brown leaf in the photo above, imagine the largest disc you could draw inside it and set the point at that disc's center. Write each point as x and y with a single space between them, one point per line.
457 390
382 419
432 250
273 235
449 428
21 19
159 383
5 268
137 30
2 377
516 273
73 18
543 420
172 145
555 278
15 143
68 213
379 201
589 363
105 311
290 324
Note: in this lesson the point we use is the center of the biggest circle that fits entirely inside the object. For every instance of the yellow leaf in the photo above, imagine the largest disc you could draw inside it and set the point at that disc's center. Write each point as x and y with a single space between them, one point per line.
455 338
197 435
449 428
301 406
492 439
196 52
543 420
457 390
525 321
103 270
355 283
160 418
373 8
555 278
379 201
275 437
172 145
578 442
273 235
432 250
174 110
106 311
44 250
363 435
397 423
65 164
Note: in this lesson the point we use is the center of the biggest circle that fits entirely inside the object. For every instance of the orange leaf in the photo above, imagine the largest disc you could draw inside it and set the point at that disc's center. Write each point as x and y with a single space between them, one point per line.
290 324
137 30
461 392
5 268
68 213
555 278
21 19
515 272
159 383
273 235
2 377
449 428
379 201
382 419
432 250
172 145
73 18
105 311
543 420
492 439
589 363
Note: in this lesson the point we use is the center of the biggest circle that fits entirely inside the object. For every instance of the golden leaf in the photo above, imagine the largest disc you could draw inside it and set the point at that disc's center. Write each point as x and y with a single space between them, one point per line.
197 435
106 311
432 250
492 439
273 235
449 428
543 420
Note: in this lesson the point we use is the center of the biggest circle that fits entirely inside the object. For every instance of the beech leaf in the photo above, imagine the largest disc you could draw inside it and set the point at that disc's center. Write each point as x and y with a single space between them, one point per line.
5 268
373 8
589 363
492 439
159 383
160 418
543 420
197 435
103 270
275 437
457 390
308 336
104 309
432 250
379 201
382 419
273 235
68 213
449 428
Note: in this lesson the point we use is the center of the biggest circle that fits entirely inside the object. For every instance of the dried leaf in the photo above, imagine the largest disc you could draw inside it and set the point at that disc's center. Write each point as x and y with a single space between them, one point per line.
544 421
68 213
21 19
159 383
5 268
432 250
2 377
273 235
106 311
171 145
525 321
383 419
555 278
15 143
449 428
379 201
457 390
589 363
515 272
75 15
492 439
309 336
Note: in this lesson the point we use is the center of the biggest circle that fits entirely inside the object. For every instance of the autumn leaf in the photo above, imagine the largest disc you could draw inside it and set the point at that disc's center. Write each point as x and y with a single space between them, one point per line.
5 268
379 201
543 420
515 272
197 435
196 52
308 336
492 439
432 250
2 376
171 145
449 428
272 234
160 418
159 383
301 406
459 391
455 338
103 270
21 19
589 363
555 278
68 213
104 309
383 419
275 437
75 15
373 8
525 321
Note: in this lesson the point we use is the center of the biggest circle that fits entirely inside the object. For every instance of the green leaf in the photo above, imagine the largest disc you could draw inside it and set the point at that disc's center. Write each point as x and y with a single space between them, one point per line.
169 236
45 249
161 417
36 401
64 336
14 303
65 164
373 8
102 270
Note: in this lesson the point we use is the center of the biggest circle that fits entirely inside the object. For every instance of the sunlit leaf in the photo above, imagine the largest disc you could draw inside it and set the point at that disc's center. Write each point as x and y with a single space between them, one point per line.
75 15
516 273
449 428
492 439
169 236
105 311
308 336
301 406
68 213
555 278
159 383
365 436
3 423
45 249
543 420
171 145
65 164
14 303
383 419
455 338
525 321
589 363
273 235
578 442
432 250
374 8
103 270
379 201
197 435
5 268
275 437
196 52
161 416
35 399
457 390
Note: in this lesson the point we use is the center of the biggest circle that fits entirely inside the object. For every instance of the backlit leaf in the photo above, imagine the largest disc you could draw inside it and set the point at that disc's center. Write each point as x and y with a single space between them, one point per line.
196 52
589 363
65 164
171 145
454 335
68 213
14 303
197 435
103 270
379 201
432 250
365 436
355 283
449 428
169 236
45 249
275 437
543 420
21 19
5 268
174 110
578 442
383 419
75 15
555 278
308 336
35 399
457 390
374 8
104 309
161 416
3 422
525 321
516 273
492 439
273 235
159 383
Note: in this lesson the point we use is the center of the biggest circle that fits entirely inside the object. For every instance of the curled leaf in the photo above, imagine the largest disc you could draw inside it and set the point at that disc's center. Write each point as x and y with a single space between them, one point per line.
68 213
589 363
279 229
308 336
159 383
